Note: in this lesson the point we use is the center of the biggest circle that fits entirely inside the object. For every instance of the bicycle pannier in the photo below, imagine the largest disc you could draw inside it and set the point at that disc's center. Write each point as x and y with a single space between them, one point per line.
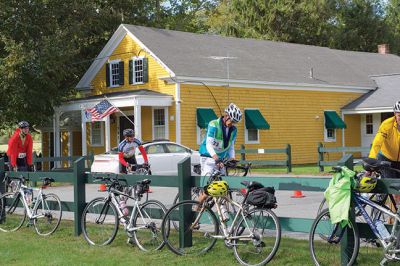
262 198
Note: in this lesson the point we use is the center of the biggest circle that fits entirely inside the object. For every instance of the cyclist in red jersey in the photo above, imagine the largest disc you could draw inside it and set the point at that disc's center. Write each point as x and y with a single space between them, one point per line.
20 148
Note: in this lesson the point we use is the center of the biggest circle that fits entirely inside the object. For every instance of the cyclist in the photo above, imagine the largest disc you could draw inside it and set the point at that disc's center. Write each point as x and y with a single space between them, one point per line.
126 151
219 142
386 144
20 148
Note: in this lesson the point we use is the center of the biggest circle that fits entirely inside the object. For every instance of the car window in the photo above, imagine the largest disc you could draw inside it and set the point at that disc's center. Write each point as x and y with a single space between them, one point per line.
172 148
155 149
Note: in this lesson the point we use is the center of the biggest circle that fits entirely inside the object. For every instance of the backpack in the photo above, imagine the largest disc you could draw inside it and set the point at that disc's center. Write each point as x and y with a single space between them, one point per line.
262 197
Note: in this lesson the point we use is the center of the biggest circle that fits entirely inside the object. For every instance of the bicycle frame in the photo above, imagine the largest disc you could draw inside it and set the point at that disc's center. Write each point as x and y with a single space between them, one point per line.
29 210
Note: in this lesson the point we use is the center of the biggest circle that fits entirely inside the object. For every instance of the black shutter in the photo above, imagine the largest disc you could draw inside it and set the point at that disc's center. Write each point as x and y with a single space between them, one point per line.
145 70
121 73
108 75
130 71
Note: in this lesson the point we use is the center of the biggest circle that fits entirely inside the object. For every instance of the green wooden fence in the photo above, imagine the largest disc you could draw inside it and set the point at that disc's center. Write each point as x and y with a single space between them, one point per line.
323 150
287 162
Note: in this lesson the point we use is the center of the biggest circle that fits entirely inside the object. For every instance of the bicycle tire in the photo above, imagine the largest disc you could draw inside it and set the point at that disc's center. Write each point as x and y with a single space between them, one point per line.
331 252
265 226
202 232
12 212
149 237
91 222
49 214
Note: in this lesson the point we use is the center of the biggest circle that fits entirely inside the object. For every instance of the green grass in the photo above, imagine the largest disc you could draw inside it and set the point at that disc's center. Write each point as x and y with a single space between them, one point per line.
24 247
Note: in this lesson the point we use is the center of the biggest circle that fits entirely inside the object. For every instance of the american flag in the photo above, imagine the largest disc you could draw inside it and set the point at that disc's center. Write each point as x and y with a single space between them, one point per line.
102 109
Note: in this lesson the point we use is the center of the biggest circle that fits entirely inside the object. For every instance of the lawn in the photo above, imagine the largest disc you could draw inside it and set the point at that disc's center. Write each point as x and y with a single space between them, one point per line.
24 247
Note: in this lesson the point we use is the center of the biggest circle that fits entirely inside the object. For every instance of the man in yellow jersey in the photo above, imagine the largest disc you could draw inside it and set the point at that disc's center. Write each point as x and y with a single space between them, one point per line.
386 144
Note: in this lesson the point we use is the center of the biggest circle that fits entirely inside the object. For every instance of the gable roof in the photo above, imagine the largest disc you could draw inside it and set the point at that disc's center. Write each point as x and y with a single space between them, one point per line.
380 100
193 55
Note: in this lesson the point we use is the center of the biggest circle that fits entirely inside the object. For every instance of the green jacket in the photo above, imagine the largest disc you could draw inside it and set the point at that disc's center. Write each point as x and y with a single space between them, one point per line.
338 195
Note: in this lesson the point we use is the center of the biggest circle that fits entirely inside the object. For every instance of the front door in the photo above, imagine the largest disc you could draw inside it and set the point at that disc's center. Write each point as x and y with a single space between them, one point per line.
124 123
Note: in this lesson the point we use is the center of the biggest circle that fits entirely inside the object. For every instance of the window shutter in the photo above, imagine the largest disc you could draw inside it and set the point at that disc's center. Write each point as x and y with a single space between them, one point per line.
130 71
108 75
145 70
121 73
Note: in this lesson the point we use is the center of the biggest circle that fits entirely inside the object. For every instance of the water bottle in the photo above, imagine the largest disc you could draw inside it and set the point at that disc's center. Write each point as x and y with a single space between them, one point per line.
224 212
124 209
383 232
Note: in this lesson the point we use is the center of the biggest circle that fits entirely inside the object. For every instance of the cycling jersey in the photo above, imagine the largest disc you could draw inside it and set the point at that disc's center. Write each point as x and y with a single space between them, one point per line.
387 141
219 140
126 151
20 149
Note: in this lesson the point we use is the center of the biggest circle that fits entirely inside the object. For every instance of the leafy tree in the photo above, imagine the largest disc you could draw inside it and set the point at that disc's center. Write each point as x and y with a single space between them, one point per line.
392 20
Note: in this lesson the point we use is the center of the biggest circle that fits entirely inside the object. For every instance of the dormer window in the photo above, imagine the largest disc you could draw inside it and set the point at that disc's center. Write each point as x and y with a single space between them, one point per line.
115 73
138 70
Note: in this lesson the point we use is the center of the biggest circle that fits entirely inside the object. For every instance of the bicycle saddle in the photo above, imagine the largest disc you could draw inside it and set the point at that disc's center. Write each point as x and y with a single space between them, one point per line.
252 185
371 164
144 182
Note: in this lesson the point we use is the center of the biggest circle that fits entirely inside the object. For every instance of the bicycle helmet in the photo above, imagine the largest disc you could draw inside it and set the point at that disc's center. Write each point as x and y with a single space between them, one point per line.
234 113
23 124
396 107
365 183
129 132
217 188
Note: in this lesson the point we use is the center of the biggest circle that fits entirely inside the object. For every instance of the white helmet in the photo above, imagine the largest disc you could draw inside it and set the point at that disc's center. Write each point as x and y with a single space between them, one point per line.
396 107
234 113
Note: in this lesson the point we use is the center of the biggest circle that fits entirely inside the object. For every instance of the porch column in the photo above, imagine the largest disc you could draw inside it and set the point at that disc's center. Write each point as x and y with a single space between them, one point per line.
108 134
70 141
83 127
56 130
178 112
138 120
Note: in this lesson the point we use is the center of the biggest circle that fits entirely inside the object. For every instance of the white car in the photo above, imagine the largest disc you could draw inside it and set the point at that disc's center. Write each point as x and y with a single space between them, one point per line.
163 156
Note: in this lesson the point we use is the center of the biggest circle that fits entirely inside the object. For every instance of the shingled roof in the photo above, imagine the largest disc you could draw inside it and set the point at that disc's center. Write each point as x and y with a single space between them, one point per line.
194 55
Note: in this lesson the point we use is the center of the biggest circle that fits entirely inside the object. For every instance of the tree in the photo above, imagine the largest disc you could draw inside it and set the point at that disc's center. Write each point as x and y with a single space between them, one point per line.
392 20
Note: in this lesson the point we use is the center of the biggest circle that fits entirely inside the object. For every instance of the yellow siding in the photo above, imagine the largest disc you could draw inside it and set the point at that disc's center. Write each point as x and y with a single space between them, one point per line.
147 122
295 117
77 143
125 51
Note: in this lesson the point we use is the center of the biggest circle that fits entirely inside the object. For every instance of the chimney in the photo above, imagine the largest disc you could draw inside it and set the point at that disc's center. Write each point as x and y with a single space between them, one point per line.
383 48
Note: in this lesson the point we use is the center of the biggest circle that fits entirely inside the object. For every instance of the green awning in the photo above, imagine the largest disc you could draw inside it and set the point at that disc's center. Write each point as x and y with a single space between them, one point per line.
333 120
204 116
255 120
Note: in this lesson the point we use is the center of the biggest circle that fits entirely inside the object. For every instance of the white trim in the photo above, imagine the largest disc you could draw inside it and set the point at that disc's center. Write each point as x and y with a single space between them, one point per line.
371 110
101 144
110 63
246 133
178 113
166 133
138 119
136 58
108 134
84 133
266 84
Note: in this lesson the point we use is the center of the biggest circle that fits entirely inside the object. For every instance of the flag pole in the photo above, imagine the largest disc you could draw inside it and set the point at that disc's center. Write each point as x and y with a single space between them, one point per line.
119 110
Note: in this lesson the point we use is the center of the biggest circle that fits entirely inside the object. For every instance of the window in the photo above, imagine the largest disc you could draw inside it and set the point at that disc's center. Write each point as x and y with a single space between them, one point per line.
159 124
201 134
176 148
138 73
114 74
155 149
369 124
252 135
97 134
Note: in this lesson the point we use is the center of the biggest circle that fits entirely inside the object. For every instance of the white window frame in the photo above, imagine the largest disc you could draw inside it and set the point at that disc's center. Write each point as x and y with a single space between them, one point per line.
367 124
134 60
246 133
110 64
198 129
101 144
326 138
165 121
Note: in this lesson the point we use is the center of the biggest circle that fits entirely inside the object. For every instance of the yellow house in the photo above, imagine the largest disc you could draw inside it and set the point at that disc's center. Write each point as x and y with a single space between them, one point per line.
171 83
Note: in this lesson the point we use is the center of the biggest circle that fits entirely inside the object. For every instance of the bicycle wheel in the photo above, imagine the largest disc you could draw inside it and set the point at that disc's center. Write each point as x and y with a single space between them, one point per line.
12 212
265 230
326 250
147 223
48 214
197 227
100 222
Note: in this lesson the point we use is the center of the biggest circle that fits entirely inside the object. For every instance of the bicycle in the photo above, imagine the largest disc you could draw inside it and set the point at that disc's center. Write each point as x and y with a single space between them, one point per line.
325 237
102 216
254 233
44 211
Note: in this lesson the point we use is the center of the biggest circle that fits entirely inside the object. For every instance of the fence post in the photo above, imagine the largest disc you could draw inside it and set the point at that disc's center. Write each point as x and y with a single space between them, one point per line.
289 157
347 160
2 184
79 193
184 185
242 153
320 156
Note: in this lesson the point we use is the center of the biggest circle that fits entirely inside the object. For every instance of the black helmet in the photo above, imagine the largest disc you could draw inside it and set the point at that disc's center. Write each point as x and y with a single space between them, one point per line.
23 124
129 132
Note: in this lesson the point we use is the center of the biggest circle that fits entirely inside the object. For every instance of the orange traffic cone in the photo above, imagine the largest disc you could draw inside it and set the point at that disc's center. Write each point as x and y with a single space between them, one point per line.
102 187
297 194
